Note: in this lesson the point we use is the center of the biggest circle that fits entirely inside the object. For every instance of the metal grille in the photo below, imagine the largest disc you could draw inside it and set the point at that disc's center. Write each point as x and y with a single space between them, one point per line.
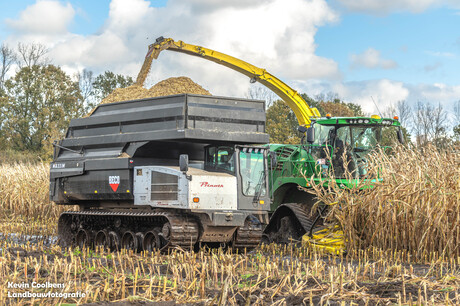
164 187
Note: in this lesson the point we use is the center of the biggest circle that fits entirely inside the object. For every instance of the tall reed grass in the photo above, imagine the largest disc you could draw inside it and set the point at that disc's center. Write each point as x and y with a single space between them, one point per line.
414 204
24 191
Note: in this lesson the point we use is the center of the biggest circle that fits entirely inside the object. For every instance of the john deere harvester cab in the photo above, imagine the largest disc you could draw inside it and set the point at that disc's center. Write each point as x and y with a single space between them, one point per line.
342 145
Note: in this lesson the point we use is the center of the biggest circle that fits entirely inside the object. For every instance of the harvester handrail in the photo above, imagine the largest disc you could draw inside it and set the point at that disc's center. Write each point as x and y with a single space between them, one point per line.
301 109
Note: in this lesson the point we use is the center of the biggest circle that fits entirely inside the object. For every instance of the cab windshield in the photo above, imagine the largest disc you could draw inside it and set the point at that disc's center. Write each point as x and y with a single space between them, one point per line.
352 145
348 146
358 138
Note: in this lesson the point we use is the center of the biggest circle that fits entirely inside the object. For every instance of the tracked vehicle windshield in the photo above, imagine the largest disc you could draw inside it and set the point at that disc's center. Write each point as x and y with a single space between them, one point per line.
252 170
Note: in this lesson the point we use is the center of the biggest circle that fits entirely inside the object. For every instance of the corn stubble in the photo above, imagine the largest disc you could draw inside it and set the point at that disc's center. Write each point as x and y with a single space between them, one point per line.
282 275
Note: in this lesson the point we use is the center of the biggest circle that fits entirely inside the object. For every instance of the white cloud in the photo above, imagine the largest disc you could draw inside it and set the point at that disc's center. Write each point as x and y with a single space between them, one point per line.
379 7
45 17
125 17
371 59
434 93
268 34
441 54
385 93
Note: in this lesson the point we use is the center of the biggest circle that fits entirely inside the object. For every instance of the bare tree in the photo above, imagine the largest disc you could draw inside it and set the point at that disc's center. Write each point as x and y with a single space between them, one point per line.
32 54
389 111
430 123
456 127
260 92
7 58
328 97
422 124
404 111
439 122
457 113
85 80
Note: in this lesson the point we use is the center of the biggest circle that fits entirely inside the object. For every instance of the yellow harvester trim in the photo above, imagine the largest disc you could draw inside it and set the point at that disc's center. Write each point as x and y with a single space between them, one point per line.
301 109
330 240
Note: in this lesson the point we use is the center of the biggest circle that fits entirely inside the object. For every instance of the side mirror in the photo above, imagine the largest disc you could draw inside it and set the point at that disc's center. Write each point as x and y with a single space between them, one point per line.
183 162
273 160
400 135
301 129
311 135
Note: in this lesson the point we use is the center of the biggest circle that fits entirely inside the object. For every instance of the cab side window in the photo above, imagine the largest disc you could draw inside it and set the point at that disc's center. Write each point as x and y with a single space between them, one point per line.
220 158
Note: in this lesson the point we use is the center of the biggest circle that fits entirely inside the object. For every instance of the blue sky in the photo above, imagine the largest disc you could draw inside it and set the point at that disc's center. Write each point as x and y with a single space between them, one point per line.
425 46
391 50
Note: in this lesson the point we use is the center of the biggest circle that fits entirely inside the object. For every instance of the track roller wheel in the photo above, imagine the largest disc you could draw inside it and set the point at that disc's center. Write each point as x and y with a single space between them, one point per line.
83 238
166 231
129 241
152 241
102 239
140 240
114 239
265 239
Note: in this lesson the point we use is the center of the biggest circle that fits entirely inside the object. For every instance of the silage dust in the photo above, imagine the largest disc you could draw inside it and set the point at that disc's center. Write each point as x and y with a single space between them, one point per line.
144 71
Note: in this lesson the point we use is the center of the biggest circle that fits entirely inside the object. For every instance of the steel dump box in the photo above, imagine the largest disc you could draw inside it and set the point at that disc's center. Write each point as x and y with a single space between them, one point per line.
180 117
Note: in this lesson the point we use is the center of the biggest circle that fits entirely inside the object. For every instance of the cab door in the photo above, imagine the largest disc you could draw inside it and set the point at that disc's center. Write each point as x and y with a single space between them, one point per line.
252 177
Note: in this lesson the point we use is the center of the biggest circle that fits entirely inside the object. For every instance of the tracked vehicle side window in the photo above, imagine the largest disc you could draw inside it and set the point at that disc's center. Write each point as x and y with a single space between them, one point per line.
322 147
220 158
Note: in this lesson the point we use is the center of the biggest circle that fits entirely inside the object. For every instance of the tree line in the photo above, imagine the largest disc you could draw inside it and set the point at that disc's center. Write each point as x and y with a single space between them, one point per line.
422 124
39 99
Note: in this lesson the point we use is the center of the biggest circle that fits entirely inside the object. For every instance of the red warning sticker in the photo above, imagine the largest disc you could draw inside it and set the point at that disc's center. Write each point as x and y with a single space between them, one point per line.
114 182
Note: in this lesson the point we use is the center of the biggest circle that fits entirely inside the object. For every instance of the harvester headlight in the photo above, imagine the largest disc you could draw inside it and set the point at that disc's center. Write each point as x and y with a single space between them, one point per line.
360 121
366 120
